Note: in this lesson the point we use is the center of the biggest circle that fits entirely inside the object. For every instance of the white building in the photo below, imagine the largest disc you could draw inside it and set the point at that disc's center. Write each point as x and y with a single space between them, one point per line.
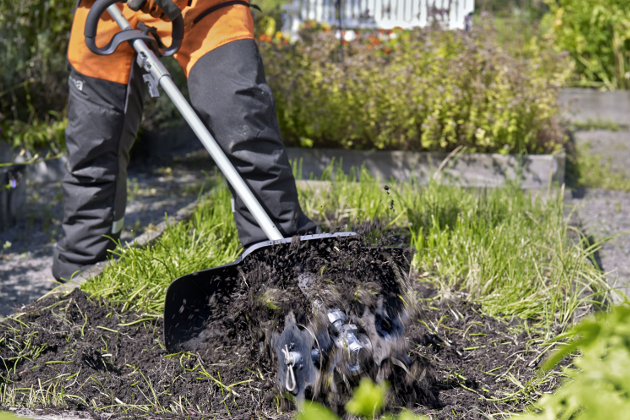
379 14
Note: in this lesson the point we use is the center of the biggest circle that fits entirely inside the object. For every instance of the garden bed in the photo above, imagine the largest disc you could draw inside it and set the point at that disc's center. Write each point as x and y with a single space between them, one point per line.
90 355
494 274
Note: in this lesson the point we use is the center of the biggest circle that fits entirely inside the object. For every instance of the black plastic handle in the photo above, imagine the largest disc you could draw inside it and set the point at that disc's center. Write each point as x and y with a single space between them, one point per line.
91 25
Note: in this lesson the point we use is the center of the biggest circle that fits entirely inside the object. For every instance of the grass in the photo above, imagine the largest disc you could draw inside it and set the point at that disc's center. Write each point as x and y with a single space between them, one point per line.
504 248
587 170
140 278
598 124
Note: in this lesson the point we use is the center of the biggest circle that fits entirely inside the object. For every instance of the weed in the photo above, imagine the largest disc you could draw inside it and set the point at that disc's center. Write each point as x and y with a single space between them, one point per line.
592 125
587 170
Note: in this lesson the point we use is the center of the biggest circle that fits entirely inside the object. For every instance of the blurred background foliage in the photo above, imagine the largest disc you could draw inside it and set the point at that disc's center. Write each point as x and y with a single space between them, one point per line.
518 45
424 90
596 33
33 76
532 9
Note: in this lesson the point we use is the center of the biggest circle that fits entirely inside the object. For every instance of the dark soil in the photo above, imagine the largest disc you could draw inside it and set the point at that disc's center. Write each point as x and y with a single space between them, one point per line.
89 355
306 279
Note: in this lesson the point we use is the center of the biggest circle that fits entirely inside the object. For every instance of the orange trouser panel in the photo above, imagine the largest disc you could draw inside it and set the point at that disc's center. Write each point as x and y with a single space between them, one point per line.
220 27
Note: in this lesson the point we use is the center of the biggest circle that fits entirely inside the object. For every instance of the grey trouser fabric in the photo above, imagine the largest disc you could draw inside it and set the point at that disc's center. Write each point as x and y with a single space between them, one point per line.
229 92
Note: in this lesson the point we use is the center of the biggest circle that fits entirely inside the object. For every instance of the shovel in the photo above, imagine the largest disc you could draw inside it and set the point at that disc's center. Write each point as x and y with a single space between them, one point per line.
187 295
189 299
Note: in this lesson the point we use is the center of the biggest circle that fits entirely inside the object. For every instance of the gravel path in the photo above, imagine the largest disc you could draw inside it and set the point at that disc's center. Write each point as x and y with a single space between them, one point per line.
26 249
604 214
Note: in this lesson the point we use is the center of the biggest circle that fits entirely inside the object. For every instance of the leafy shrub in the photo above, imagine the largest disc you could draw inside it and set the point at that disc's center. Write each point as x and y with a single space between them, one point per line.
34 38
38 133
416 90
596 33
366 403
33 75
599 387
33 43
270 17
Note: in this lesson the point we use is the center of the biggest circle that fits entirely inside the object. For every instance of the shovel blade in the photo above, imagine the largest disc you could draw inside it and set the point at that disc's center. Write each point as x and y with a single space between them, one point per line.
190 299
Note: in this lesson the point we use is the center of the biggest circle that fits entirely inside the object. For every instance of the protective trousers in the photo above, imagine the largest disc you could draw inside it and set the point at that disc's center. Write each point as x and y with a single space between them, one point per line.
227 90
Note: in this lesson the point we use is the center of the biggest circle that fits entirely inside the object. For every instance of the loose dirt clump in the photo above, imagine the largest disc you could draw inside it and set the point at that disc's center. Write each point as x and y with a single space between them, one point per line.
74 352
309 280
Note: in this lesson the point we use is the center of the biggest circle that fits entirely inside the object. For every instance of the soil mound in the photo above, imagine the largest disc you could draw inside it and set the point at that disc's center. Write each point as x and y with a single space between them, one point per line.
288 295
79 353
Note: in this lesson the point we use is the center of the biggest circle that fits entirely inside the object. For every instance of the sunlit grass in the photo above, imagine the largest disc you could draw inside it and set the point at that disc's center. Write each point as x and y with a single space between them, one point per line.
504 248
140 277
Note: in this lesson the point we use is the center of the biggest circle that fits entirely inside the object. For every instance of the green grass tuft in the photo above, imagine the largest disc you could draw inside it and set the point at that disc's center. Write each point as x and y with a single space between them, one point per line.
504 248
592 125
141 276
587 170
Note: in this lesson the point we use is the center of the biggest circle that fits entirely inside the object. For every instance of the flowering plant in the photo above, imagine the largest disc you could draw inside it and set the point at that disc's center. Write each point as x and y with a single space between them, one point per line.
422 90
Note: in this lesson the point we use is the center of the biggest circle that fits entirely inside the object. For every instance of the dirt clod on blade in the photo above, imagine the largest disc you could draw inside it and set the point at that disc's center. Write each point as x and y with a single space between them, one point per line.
308 279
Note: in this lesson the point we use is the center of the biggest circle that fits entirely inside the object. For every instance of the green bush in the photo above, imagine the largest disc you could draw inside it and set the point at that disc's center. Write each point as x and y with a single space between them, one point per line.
33 76
33 43
366 403
598 388
596 33
34 38
426 90
28 136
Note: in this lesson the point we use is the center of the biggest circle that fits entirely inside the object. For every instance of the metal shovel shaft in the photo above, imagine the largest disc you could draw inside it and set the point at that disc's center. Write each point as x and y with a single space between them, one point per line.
152 64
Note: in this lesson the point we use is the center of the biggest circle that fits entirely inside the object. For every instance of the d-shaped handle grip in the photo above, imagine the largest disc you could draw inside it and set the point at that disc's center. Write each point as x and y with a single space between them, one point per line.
97 10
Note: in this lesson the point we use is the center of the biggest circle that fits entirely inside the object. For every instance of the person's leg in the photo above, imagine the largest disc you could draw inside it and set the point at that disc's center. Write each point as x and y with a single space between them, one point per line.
228 90
104 112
